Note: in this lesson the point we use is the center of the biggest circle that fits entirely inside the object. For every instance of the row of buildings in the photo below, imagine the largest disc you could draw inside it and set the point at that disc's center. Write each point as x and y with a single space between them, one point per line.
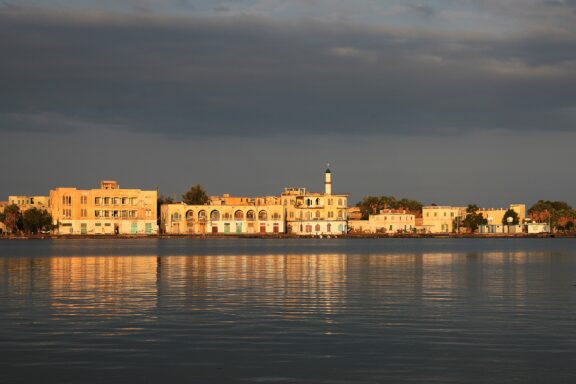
113 210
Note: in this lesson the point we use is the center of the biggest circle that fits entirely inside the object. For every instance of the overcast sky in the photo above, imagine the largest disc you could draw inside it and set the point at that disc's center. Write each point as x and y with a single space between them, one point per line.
447 102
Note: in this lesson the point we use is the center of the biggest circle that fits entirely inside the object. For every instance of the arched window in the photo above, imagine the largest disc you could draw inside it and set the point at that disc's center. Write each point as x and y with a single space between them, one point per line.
202 215
189 215
214 215
329 227
238 215
250 215
175 216
318 201
262 215
317 228
308 202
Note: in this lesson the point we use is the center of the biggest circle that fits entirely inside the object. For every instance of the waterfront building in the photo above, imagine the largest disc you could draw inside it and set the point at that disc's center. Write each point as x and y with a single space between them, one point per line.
224 215
315 213
28 202
387 221
441 219
495 216
107 210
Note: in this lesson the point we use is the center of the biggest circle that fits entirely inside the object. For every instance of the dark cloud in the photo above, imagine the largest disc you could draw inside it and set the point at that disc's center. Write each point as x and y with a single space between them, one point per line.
259 77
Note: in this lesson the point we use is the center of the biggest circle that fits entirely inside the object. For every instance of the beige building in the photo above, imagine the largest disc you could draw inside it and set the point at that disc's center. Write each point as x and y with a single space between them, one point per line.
440 219
496 215
224 215
108 210
28 202
314 213
387 221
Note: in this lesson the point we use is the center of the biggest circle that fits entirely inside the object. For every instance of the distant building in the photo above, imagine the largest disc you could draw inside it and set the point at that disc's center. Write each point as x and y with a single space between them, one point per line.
108 210
495 216
441 219
27 202
314 213
387 221
224 215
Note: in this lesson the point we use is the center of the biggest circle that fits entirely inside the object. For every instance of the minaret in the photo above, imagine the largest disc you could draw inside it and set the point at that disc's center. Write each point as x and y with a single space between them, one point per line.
328 181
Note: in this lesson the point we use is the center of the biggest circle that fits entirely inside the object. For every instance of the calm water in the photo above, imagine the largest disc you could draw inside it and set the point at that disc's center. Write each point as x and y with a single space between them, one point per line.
288 311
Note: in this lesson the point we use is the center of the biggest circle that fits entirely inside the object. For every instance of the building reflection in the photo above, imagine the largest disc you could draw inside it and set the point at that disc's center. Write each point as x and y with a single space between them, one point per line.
291 285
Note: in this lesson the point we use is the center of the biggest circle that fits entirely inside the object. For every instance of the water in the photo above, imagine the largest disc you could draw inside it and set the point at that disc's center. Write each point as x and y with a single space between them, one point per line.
288 311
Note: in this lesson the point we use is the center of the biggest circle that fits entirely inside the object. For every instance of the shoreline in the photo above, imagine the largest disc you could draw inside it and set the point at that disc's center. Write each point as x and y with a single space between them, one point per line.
287 236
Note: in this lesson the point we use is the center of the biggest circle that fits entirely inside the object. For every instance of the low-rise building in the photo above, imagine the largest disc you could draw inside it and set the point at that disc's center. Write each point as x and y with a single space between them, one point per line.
387 221
495 216
441 219
27 202
241 216
108 210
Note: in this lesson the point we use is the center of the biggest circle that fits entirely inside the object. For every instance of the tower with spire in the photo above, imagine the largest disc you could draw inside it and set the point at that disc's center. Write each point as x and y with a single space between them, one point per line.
328 180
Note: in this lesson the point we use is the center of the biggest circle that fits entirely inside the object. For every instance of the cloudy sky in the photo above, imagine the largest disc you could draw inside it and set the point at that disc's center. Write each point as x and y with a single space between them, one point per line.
448 102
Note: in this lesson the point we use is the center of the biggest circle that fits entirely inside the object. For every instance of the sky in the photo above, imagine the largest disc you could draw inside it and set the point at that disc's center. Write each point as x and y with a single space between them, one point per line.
447 102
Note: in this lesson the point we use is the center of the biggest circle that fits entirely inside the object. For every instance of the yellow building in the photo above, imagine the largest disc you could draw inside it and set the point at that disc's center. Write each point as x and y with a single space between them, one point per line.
313 213
224 215
496 215
387 221
28 202
440 219
108 210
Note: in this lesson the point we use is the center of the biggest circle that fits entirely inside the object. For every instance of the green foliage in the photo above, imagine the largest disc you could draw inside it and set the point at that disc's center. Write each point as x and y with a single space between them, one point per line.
12 218
372 205
196 196
515 218
35 220
553 211
473 219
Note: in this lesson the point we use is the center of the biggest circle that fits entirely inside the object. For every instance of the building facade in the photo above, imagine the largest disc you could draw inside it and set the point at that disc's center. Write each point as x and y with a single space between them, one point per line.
28 202
314 213
387 221
441 219
227 215
108 210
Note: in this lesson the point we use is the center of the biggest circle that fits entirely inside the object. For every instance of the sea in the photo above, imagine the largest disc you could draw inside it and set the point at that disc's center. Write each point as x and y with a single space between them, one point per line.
288 311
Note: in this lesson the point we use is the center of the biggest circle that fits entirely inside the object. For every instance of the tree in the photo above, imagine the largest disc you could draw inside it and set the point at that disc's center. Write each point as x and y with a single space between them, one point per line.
35 220
515 218
473 219
12 218
372 205
196 196
557 212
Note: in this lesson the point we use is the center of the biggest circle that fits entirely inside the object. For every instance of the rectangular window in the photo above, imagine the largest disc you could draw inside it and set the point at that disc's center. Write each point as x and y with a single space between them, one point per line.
84 200
83 213
98 200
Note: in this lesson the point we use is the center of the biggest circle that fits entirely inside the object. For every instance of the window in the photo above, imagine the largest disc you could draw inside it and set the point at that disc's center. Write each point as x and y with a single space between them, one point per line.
67 213
106 201
214 215
84 200
98 201
83 213
317 214
262 215
66 200
291 214
339 202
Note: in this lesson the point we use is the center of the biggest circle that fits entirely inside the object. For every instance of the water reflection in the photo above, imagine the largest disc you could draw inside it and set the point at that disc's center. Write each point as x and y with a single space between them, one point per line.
305 318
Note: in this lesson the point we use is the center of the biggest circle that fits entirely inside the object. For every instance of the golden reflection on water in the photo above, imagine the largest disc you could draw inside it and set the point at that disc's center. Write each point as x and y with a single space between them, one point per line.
111 286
